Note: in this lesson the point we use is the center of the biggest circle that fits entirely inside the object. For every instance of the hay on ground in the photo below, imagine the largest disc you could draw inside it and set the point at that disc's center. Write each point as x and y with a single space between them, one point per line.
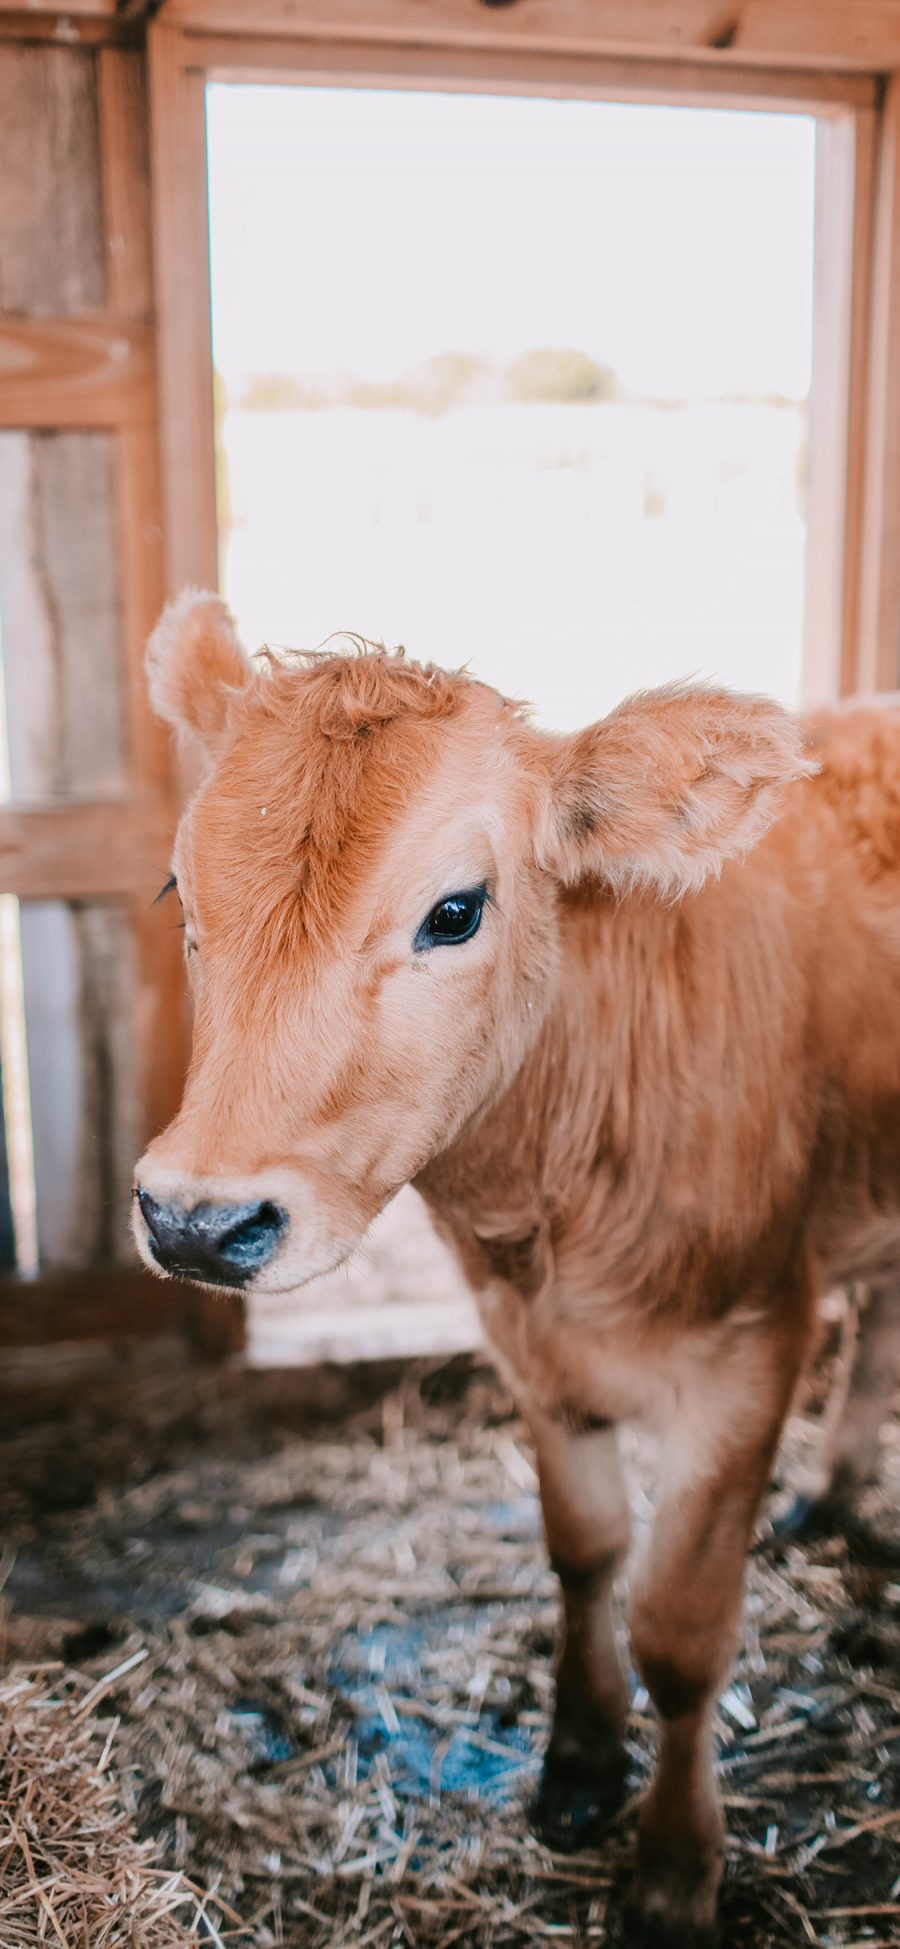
321 1655
72 1870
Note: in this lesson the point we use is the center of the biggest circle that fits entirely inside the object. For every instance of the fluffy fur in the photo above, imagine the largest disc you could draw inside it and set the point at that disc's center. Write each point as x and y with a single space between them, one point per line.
652 1128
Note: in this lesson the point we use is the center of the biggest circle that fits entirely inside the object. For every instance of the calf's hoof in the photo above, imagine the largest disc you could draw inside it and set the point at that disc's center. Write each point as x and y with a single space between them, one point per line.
673 1910
673 1902
643 1930
582 1787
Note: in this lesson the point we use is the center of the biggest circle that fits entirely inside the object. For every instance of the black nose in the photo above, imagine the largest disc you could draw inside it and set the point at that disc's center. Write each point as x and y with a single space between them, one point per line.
224 1245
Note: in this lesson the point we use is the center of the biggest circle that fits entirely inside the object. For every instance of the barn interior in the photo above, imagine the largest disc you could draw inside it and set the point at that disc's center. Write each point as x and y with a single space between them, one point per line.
277 1621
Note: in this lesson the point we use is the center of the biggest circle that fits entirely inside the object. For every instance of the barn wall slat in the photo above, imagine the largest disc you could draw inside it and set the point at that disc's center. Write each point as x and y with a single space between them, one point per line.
78 973
161 1025
181 259
7 1233
74 850
125 162
879 626
514 69
51 225
103 10
843 218
857 387
30 27
60 614
83 372
845 34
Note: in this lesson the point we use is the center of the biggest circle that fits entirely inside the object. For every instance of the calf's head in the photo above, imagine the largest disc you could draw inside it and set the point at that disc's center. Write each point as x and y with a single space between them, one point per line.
371 878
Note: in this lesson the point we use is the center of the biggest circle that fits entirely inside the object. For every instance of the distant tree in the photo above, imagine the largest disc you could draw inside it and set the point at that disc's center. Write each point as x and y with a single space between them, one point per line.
449 378
562 374
546 373
277 392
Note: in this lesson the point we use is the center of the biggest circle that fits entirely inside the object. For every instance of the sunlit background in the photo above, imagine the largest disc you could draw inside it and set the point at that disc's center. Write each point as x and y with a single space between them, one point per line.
515 382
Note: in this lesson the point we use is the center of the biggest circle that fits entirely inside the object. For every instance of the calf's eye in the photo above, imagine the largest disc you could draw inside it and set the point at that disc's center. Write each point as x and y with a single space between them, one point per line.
454 919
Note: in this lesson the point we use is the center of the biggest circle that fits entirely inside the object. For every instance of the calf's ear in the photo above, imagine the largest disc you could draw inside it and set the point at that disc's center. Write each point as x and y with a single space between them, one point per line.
195 664
664 790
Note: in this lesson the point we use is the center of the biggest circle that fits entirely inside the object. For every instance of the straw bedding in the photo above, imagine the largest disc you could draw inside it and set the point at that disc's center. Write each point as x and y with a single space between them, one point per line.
273 1678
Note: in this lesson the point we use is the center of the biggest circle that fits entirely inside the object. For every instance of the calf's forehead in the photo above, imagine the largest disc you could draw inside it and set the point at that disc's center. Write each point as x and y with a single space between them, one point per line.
317 830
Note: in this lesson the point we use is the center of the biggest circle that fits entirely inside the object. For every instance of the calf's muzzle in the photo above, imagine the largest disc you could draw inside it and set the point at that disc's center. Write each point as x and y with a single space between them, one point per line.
223 1245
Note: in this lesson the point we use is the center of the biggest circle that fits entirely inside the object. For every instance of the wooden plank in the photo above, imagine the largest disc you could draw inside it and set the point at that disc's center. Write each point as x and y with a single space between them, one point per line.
184 351
7 1232
28 28
125 168
843 208
100 9
857 394
51 262
161 1023
85 852
124 117
162 1015
107 1304
856 35
125 163
88 372
78 981
878 663
143 583
124 120
59 597
517 70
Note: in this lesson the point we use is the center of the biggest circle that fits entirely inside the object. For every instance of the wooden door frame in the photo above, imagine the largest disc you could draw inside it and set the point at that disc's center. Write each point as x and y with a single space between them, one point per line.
95 372
853 579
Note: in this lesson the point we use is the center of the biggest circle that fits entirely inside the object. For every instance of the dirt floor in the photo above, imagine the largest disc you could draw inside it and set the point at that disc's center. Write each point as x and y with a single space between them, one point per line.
308 1626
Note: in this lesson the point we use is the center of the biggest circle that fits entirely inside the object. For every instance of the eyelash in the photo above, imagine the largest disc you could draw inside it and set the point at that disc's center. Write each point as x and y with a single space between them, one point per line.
171 886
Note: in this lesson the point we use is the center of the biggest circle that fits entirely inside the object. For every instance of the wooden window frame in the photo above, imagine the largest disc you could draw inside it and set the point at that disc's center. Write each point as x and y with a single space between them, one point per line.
853 568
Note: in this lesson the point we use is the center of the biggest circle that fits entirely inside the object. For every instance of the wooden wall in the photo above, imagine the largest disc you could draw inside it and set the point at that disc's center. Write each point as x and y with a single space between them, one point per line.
87 794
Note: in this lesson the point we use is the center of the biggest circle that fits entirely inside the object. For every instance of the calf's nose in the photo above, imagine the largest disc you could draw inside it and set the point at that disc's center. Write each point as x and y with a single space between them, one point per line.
224 1245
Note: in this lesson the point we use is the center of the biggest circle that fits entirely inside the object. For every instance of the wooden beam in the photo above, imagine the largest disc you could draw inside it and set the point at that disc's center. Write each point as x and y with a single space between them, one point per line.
125 172
845 150
184 349
80 851
518 70
859 349
72 30
66 372
879 615
852 35
108 1305
96 9
161 1028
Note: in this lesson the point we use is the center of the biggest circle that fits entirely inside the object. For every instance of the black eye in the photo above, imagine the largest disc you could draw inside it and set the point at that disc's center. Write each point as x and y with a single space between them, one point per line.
455 919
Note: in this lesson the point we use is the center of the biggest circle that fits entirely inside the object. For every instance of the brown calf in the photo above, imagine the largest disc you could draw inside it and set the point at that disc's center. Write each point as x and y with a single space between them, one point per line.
650 1093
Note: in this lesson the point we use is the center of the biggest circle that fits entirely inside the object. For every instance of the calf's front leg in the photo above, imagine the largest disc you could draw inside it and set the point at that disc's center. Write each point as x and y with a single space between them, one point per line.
685 1621
586 1520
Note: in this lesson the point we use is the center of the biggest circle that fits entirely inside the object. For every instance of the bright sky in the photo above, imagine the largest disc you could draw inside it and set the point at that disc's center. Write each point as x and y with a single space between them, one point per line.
362 230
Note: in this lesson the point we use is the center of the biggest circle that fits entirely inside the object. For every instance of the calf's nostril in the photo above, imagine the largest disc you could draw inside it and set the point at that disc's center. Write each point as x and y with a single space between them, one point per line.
250 1242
